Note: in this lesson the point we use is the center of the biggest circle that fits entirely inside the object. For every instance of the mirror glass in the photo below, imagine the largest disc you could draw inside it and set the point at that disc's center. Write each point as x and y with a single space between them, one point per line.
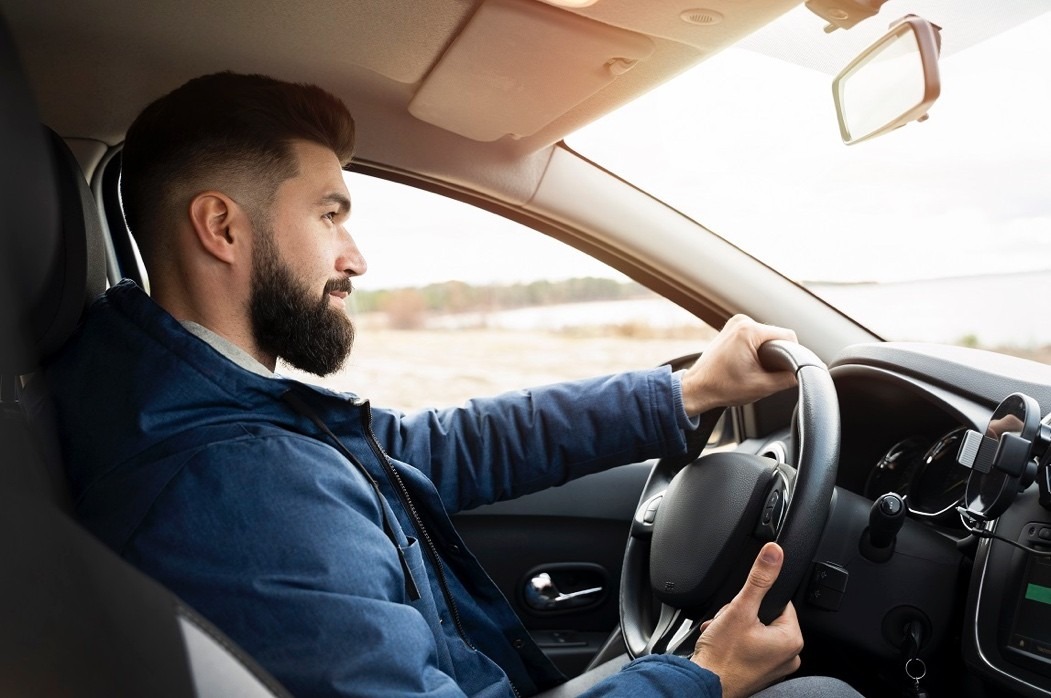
892 82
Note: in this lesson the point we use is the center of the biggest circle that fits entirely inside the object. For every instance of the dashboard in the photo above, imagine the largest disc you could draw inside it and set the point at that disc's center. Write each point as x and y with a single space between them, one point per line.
905 411
983 607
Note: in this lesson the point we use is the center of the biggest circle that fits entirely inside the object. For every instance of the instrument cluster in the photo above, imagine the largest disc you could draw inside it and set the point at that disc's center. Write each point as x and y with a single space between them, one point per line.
924 472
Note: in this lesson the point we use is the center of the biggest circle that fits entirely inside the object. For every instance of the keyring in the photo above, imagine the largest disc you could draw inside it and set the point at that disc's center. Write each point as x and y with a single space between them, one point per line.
915 672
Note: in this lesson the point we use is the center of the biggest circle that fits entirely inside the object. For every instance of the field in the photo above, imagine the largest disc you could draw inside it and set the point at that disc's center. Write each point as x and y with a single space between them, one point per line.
409 369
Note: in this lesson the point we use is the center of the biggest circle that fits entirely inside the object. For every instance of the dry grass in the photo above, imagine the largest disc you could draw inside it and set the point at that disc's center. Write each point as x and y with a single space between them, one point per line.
1041 354
409 369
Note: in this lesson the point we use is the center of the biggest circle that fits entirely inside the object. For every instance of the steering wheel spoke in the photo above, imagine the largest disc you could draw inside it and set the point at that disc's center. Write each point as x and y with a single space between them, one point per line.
684 641
669 625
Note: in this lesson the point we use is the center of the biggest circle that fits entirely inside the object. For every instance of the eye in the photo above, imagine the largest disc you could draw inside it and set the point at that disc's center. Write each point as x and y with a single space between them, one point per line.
330 216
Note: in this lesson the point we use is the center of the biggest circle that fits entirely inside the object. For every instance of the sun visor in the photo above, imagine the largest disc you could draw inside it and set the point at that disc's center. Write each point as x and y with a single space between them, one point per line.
546 62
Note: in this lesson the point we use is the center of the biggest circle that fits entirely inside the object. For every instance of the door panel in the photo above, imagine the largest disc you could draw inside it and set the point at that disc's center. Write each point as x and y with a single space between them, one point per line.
575 534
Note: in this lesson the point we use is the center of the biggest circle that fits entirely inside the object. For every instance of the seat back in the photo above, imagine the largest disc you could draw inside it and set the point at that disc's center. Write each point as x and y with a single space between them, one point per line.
75 619
75 275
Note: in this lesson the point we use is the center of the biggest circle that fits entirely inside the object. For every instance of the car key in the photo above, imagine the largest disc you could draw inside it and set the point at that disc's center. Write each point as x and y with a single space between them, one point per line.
915 668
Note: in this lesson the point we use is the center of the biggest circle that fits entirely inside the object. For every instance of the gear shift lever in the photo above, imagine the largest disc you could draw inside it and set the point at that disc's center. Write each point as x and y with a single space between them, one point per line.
885 520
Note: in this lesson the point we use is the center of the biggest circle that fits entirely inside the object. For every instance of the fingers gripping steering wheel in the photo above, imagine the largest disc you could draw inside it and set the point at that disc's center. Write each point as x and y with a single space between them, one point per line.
699 527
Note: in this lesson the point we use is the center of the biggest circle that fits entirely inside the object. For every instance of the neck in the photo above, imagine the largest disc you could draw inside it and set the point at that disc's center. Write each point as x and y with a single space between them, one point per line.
228 349
229 319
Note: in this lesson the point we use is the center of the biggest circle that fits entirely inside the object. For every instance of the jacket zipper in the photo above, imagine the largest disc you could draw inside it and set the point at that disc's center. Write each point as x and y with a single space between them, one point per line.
403 492
425 536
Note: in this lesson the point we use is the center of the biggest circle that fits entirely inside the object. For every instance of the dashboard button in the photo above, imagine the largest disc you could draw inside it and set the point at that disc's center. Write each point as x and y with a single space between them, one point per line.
828 583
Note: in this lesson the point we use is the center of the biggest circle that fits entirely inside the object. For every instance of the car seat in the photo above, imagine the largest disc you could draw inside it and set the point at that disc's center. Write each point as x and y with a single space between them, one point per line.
75 619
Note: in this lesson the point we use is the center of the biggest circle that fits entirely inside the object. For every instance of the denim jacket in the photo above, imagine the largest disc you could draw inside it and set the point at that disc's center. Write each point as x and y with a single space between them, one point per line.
313 529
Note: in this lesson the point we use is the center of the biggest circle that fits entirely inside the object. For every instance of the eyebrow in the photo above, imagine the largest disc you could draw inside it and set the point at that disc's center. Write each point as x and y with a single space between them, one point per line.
335 198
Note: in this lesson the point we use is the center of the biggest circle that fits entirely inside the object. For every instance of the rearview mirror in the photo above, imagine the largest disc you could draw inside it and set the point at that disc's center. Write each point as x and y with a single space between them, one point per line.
893 81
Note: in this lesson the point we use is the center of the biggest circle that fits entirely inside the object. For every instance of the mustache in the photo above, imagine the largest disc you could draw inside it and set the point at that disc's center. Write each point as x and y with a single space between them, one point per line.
342 284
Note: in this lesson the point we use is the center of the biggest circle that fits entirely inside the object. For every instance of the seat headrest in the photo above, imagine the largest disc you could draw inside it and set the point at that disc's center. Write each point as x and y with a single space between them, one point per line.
29 231
78 273
52 254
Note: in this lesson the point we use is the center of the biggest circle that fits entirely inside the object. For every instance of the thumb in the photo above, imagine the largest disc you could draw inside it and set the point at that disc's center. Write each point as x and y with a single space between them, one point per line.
761 577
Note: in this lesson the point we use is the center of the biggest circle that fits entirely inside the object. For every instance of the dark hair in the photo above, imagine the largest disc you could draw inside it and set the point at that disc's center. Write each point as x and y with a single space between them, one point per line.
225 131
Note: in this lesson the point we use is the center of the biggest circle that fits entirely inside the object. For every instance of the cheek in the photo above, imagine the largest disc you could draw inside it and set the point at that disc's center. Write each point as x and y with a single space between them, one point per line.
308 253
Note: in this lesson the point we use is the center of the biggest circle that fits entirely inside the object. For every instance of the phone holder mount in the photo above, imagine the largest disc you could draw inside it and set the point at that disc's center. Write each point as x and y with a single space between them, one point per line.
1014 451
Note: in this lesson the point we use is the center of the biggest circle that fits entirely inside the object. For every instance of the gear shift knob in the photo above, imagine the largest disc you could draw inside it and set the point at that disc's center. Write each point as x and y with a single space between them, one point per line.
886 518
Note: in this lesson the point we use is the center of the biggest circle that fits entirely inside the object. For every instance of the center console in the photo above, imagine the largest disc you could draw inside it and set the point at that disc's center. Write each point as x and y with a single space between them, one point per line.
1010 600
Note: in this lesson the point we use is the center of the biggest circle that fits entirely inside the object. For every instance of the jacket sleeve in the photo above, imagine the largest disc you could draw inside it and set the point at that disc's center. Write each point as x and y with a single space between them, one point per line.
661 675
281 545
520 442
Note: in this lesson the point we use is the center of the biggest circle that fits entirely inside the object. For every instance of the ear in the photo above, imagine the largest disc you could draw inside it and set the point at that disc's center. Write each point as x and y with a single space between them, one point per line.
220 225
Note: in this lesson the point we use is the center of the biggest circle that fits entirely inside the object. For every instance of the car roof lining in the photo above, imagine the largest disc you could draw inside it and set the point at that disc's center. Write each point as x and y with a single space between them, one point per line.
142 50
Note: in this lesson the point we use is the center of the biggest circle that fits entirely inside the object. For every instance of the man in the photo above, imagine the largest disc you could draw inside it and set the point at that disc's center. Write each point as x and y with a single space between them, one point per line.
310 527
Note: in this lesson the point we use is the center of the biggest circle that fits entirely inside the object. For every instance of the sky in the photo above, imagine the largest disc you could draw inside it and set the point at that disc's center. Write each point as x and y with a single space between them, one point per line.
412 238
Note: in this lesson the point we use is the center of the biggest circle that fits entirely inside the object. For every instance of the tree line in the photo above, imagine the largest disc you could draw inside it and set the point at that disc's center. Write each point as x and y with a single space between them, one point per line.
458 296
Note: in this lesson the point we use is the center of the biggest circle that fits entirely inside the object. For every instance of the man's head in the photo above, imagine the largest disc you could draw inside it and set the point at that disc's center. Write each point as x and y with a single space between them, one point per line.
232 185
223 131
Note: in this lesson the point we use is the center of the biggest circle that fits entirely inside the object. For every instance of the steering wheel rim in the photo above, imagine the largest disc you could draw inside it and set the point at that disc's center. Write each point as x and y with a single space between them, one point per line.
799 531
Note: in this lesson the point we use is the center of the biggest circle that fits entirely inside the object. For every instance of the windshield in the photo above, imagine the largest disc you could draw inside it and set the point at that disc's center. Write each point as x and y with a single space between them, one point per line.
938 231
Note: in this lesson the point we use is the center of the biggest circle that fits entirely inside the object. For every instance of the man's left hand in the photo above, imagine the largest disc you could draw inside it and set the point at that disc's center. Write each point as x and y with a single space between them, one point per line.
729 373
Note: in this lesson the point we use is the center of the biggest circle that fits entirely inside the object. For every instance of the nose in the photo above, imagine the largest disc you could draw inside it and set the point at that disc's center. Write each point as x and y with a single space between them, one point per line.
350 260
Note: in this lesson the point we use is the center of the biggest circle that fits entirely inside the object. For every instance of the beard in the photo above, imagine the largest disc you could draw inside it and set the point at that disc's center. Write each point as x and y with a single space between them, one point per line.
289 321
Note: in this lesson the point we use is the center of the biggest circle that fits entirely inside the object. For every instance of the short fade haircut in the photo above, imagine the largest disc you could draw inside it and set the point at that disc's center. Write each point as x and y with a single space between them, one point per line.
227 132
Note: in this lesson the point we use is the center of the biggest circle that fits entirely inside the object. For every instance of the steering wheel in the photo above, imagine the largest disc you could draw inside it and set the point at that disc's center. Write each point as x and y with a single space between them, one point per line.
700 523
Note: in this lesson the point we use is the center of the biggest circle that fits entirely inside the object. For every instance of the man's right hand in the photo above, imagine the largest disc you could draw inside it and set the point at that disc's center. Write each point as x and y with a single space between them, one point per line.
745 654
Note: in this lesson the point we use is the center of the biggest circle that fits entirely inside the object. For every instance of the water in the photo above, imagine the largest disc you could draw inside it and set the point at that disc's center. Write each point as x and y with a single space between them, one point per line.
991 311
994 311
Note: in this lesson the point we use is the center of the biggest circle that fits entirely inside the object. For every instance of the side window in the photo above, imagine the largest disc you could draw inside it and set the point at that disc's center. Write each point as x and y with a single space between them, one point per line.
460 303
